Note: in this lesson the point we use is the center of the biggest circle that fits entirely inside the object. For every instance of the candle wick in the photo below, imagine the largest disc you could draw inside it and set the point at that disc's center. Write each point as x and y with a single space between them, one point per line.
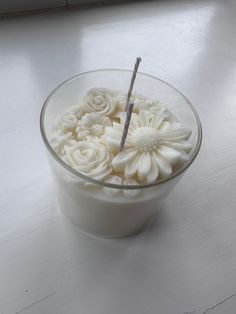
138 60
126 125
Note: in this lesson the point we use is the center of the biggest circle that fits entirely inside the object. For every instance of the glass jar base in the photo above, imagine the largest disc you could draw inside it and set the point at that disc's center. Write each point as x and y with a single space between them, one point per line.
116 235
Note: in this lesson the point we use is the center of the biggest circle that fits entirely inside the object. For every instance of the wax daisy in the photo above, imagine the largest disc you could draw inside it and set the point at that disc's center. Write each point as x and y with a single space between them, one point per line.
154 145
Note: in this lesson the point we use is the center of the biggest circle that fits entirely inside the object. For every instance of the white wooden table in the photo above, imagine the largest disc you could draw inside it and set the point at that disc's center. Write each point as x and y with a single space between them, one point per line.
186 261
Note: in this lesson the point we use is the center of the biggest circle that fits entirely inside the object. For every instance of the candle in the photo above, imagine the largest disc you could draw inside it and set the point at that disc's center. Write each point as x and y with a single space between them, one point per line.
106 190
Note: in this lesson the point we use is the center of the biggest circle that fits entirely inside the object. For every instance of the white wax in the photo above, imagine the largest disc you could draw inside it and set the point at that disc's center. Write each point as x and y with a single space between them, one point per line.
87 138
107 215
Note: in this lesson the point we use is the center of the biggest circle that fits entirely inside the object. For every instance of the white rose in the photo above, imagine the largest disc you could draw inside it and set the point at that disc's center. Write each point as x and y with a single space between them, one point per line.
91 159
100 100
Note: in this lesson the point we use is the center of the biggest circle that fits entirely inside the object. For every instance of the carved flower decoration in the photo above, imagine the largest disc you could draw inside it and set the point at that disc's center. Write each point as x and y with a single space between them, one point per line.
154 106
101 101
90 158
60 141
139 101
67 121
154 145
92 126
76 110
115 179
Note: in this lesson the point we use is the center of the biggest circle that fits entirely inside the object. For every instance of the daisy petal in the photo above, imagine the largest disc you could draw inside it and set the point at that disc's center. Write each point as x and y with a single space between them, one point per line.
184 157
177 134
172 155
144 165
164 166
113 133
131 167
134 121
116 126
122 158
179 145
144 118
112 142
153 173
157 120
164 126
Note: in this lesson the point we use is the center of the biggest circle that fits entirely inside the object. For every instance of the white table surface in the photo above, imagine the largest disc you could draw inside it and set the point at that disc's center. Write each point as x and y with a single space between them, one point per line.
186 261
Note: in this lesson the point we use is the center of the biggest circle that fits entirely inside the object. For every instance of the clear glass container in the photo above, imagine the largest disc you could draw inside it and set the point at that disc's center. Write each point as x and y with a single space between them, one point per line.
104 209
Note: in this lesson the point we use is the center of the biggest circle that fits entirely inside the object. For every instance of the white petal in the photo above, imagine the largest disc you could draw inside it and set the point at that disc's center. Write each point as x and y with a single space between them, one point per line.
101 173
157 120
144 165
179 145
113 133
144 118
164 166
117 126
177 134
134 121
112 142
123 158
164 126
153 173
184 157
131 167
172 155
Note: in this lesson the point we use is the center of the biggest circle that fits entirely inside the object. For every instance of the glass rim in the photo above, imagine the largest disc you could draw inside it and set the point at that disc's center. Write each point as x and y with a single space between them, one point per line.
111 185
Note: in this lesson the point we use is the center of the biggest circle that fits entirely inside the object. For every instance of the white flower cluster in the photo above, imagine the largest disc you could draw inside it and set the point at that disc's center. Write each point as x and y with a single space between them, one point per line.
88 136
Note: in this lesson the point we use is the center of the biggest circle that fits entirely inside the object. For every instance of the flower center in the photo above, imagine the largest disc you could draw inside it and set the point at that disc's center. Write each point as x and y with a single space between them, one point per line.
145 139
96 129
98 100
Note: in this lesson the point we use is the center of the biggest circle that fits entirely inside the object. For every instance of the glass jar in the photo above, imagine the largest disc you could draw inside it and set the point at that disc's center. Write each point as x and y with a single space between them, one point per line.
105 209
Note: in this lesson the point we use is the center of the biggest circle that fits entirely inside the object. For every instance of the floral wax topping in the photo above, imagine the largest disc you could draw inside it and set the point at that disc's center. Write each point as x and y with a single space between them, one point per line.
76 110
115 179
135 98
140 103
60 141
67 121
92 125
151 146
90 158
101 101
112 179
154 106
131 193
87 136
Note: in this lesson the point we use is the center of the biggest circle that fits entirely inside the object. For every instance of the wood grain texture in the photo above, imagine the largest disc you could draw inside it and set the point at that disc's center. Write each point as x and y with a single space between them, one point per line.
185 262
